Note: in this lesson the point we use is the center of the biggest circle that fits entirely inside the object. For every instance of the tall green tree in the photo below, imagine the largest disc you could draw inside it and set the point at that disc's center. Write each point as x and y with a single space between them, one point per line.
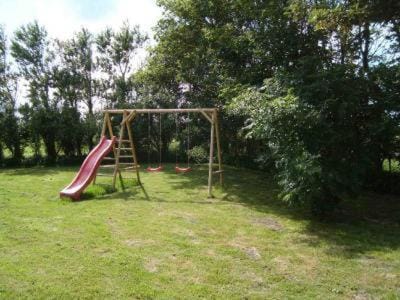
328 118
75 84
9 123
116 53
31 51
304 79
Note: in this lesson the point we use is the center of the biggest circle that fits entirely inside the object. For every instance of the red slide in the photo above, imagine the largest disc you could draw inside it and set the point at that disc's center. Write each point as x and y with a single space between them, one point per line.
88 169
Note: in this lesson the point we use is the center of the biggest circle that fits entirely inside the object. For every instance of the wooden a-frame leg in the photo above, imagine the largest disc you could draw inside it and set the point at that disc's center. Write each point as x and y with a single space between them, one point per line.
135 160
118 152
211 160
218 148
103 133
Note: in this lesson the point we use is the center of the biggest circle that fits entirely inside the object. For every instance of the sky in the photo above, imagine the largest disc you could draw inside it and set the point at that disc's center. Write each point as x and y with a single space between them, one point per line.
64 17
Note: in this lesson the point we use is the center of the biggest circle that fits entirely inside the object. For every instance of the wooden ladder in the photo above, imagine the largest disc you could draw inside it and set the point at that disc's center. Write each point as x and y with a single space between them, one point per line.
124 145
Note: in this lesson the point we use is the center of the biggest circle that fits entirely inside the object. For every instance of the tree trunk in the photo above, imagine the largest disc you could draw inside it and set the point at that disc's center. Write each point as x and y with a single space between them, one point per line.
90 111
1 153
17 153
51 152
366 36
79 147
36 145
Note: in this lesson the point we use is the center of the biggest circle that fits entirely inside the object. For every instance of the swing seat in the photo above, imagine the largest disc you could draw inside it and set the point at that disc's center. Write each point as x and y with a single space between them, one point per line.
182 170
156 169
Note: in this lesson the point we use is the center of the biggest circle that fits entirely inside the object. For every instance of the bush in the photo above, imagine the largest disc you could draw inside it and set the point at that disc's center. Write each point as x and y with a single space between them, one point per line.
322 131
198 154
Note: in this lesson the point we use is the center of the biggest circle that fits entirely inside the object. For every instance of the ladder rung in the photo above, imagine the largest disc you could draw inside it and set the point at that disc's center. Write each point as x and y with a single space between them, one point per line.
124 148
124 141
105 175
121 164
126 156
132 168
219 171
109 158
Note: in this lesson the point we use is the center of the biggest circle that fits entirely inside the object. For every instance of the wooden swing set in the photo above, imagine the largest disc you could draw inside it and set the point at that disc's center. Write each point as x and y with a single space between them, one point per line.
124 151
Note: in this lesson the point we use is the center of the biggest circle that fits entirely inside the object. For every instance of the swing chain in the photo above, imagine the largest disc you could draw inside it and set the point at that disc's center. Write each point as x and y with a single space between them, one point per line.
160 142
188 140
148 139
176 139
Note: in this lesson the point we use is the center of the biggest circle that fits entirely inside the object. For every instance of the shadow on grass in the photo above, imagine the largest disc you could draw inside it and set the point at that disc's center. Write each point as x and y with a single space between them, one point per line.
34 171
351 235
101 191
96 192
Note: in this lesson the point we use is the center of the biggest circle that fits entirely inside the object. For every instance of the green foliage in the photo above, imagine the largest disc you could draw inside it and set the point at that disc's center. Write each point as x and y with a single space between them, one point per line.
30 49
74 85
116 52
323 134
198 154
9 124
61 86
71 133
174 146
305 80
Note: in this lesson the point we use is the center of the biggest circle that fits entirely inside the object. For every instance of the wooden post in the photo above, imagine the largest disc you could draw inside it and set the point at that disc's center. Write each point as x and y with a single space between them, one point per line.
110 130
109 126
218 147
114 150
103 133
103 130
135 161
206 116
118 152
210 165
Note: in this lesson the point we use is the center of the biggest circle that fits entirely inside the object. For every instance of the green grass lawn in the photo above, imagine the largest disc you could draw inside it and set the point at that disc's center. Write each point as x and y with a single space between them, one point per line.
168 240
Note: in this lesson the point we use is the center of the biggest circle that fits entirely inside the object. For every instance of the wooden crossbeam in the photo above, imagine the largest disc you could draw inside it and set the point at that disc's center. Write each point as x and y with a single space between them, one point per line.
218 171
207 116
107 166
105 175
158 110
132 168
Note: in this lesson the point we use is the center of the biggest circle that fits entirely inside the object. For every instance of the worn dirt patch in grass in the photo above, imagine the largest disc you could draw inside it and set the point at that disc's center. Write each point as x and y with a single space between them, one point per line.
138 243
251 251
269 223
152 265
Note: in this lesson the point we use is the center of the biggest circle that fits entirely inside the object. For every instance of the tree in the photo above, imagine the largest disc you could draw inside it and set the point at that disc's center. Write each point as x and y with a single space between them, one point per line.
9 124
116 52
328 119
31 51
74 82
304 78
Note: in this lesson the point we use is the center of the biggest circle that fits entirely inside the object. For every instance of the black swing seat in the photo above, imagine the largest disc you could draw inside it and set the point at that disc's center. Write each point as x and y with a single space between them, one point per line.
156 169
182 170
